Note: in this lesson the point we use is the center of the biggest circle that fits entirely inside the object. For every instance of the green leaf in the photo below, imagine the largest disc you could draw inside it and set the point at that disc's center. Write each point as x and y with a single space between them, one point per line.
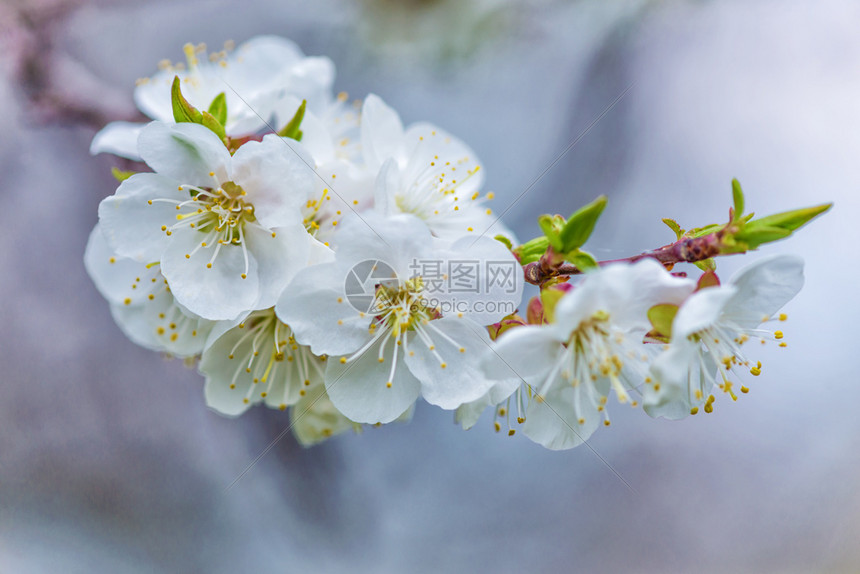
549 226
183 112
549 298
701 231
218 108
706 264
738 198
507 242
673 225
291 130
531 251
661 318
121 175
757 235
209 121
583 261
793 219
581 224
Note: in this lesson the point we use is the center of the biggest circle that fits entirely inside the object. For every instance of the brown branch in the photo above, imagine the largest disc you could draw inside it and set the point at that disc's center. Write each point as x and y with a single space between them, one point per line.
689 250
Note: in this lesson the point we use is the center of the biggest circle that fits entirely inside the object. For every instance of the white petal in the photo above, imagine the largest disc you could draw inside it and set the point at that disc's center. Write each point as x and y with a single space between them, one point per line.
678 373
131 225
277 174
186 153
358 388
430 142
159 324
561 420
381 132
399 241
461 380
387 185
763 288
118 138
702 310
278 258
485 282
120 280
316 307
523 353
625 292
214 293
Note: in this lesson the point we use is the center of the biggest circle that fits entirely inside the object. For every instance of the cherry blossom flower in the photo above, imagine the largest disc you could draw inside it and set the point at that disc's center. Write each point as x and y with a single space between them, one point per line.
711 333
398 339
426 172
227 230
594 345
255 79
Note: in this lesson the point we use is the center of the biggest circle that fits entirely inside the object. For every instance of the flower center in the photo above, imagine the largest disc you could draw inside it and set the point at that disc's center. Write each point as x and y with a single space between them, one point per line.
266 353
220 214
402 312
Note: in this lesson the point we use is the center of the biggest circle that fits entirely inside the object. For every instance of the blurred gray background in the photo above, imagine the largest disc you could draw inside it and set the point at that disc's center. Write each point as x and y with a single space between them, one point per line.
110 461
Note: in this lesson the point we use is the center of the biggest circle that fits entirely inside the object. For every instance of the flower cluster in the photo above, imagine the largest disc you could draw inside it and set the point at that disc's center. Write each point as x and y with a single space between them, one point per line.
319 256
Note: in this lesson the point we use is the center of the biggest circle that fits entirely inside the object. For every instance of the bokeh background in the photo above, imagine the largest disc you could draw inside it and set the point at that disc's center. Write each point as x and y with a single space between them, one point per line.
110 461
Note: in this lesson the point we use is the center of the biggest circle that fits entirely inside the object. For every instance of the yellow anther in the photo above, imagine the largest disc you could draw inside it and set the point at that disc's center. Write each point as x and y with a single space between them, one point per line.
744 389
783 316
342 360
208 266
160 330
388 384
490 195
606 423
777 335
581 421
127 301
498 426
443 365
511 432
282 407
694 410
381 359
521 420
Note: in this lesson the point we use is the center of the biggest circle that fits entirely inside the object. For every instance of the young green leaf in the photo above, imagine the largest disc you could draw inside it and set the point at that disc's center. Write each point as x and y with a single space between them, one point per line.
291 130
549 226
183 111
581 224
792 220
583 261
738 198
209 121
504 240
532 250
218 108
673 225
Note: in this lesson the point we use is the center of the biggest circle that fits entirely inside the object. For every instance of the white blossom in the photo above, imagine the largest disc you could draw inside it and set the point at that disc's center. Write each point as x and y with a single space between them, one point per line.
711 333
406 341
594 345
227 230
256 78
425 172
